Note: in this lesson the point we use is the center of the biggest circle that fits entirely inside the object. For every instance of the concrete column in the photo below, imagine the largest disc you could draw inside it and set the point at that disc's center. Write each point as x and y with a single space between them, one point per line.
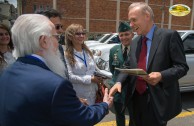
19 7
118 15
170 16
192 16
162 8
55 4
88 15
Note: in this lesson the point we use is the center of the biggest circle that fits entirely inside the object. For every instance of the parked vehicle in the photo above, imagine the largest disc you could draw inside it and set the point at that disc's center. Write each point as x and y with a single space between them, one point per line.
101 39
186 83
110 42
108 39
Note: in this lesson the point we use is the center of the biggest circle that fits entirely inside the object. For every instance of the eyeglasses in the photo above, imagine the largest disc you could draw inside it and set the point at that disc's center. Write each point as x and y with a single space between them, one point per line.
57 36
58 26
80 33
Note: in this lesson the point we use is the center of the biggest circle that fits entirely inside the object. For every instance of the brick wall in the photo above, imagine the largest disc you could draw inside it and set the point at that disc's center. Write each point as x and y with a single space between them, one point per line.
103 12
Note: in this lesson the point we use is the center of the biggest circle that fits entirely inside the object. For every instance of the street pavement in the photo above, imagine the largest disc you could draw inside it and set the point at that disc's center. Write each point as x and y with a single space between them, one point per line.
185 118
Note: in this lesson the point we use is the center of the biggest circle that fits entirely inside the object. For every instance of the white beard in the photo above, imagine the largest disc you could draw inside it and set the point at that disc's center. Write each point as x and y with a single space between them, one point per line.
54 61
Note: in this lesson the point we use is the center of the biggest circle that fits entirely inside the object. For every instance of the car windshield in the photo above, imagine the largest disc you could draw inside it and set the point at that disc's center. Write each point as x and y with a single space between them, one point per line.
115 39
105 38
181 33
99 37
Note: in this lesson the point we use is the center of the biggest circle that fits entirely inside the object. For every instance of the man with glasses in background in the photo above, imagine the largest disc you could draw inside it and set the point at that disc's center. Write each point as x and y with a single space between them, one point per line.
55 17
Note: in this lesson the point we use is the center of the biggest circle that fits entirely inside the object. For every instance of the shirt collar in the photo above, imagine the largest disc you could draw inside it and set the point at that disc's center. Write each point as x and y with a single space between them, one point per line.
123 47
149 35
39 57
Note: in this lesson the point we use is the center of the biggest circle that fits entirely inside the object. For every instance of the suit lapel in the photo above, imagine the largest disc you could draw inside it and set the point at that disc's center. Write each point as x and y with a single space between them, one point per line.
154 45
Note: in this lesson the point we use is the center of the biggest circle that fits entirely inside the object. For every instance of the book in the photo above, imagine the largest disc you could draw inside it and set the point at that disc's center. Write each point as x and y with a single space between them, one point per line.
137 71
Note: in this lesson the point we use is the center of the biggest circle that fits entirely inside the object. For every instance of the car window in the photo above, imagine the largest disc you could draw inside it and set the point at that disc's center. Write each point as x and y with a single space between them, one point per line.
115 40
188 43
99 37
105 38
181 33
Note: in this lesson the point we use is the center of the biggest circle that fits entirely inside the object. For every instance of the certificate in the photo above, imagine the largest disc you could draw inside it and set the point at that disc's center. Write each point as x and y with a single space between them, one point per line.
137 71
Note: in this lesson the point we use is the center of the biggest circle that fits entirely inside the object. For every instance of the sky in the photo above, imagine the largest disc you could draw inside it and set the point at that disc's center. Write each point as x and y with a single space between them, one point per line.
14 2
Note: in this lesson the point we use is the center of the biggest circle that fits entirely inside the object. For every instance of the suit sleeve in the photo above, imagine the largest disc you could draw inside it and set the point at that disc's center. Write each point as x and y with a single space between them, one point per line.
179 66
68 110
122 77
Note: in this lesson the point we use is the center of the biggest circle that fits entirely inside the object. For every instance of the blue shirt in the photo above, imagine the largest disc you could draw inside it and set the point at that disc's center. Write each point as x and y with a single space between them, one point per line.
149 42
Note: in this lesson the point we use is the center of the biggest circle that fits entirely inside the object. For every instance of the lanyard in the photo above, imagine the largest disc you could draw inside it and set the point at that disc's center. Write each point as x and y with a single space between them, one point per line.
84 60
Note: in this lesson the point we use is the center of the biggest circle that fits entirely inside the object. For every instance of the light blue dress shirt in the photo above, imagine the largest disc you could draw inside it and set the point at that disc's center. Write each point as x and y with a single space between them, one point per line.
149 42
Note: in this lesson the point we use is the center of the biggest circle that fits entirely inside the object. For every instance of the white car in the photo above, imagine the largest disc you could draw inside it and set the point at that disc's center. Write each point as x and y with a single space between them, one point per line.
186 83
108 39
101 39
110 42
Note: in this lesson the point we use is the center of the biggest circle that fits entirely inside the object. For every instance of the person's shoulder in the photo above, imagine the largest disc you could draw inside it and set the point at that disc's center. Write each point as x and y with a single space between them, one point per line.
54 80
41 74
115 47
165 31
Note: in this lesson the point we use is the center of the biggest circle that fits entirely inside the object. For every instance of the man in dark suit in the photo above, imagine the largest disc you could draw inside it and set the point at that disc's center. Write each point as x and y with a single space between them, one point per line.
32 90
155 97
119 54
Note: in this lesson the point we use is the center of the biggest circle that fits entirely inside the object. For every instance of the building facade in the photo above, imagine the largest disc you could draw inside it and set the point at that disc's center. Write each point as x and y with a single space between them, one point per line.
102 16
8 13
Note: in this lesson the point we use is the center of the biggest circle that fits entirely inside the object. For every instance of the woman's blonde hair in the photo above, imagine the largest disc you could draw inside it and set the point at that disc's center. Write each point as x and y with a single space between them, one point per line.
69 35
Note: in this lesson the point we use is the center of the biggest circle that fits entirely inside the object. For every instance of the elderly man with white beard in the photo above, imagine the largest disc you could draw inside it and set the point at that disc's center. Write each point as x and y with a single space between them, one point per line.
33 91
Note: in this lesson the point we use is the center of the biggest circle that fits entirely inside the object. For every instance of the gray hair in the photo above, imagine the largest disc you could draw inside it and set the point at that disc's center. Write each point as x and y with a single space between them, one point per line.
144 7
26 32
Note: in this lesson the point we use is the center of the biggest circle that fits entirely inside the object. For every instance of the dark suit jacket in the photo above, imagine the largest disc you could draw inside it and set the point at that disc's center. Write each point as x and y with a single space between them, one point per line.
32 95
166 56
61 50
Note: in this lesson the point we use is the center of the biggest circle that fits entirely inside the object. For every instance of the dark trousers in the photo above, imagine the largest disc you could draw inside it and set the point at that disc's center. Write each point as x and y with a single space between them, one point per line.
143 113
120 115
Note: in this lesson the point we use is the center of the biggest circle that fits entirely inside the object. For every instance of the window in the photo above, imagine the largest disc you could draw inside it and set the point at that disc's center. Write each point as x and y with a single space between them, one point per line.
188 43
48 7
105 38
41 8
35 7
115 40
181 33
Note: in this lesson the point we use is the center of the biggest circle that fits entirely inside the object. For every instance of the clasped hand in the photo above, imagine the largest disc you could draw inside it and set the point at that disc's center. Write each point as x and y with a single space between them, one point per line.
107 98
